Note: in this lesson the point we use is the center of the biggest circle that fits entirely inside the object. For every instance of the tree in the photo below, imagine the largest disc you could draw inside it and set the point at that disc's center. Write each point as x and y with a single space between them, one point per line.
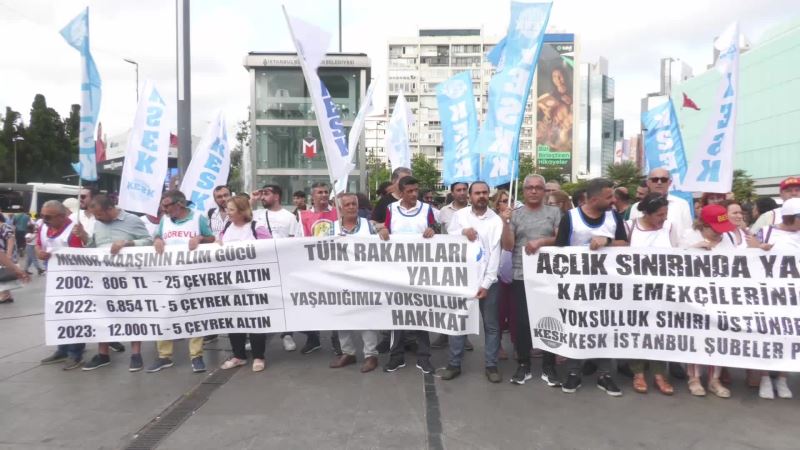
625 174
72 126
743 187
46 154
378 173
11 128
525 167
551 173
425 172
236 177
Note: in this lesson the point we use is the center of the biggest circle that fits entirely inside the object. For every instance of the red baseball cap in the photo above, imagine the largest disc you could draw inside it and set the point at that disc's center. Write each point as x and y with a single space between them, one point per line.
790 182
716 217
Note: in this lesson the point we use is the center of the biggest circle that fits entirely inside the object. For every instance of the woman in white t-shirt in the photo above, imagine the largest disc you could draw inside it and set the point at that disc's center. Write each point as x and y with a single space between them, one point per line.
713 231
242 227
651 230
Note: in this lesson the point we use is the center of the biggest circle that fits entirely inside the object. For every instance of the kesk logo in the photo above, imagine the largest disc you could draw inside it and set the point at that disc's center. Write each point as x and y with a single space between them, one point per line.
550 331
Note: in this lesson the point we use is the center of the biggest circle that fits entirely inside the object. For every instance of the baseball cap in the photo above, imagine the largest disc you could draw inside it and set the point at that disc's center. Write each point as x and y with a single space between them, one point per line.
716 217
790 182
791 207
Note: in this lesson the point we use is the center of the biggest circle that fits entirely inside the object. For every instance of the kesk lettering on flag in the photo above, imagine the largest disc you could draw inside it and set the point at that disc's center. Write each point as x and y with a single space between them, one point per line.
146 157
498 140
355 134
209 167
311 43
397 148
711 166
459 129
76 33
663 146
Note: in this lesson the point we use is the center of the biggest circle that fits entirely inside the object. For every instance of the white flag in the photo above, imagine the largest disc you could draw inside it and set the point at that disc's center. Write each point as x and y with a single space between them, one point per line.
711 166
146 157
209 168
311 44
397 147
355 134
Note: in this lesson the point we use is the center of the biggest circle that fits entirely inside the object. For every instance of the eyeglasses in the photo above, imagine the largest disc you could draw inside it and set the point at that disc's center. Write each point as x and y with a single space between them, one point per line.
659 180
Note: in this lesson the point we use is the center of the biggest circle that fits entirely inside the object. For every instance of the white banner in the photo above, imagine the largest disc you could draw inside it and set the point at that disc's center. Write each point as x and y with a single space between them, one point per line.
147 154
267 286
738 309
711 165
210 165
311 43
397 147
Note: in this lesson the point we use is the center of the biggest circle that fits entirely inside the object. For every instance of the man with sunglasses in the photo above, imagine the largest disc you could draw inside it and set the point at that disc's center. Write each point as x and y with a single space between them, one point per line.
678 212
180 226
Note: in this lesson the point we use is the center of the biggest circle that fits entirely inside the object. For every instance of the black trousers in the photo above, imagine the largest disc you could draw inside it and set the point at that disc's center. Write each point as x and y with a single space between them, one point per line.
523 345
397 350
258 344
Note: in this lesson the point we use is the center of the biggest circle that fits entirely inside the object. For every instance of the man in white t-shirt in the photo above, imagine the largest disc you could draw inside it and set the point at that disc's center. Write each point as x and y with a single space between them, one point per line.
280 222
678 212
83 215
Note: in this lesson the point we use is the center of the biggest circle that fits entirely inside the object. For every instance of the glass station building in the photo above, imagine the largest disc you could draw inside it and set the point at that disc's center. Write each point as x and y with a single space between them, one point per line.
282 119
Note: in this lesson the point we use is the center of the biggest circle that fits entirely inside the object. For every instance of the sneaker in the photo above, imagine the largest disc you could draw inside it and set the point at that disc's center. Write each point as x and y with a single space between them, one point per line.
56 357
440 342
765 389
41 271
160 363
468 345
233 362
198 365
116 347
493 375
522 375
136 363
312 345
288 343
550 376
606 383
449 372
210 338
394 364
425 366
259 365
782 387
72 363
97 362
573 383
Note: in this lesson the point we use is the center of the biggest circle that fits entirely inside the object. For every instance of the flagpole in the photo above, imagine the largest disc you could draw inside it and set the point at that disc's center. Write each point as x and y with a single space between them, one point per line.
514 184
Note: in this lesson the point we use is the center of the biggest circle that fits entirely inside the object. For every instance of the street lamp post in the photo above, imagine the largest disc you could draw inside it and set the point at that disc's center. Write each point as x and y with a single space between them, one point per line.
15 139
130 61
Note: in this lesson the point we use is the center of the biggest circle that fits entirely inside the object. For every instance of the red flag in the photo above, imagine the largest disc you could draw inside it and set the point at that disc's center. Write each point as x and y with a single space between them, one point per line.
173 140
100 144
309 147
689 103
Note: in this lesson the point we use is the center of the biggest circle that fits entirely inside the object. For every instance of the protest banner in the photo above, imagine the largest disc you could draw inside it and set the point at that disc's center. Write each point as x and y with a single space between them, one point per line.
738 309
265 286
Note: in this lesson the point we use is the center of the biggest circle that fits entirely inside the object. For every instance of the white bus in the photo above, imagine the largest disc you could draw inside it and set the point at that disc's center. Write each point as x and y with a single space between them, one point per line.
29 197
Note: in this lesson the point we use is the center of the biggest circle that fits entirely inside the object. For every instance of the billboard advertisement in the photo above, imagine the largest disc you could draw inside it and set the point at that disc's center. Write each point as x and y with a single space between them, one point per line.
555 105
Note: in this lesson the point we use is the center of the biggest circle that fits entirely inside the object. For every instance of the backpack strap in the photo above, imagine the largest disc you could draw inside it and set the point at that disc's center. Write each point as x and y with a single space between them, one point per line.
225 228
211 213
253 228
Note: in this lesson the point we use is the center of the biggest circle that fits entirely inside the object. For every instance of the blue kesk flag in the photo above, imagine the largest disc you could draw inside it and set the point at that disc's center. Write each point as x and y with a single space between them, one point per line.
76 34
663 146
515 58
459 129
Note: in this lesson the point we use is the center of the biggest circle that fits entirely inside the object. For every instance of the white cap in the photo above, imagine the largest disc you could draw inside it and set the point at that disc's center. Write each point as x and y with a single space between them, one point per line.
791 207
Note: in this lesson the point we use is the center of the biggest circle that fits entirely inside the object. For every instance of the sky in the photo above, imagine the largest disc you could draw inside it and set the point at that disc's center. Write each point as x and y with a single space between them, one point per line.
633 35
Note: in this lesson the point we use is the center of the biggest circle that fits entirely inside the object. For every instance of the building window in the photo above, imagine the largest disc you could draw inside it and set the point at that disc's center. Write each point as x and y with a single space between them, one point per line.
282 93
281 147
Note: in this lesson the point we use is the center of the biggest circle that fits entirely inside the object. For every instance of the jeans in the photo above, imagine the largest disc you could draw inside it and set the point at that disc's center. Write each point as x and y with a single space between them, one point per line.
523 343
258 344
30 250
195 348
491 330
370 338
73 351
397 351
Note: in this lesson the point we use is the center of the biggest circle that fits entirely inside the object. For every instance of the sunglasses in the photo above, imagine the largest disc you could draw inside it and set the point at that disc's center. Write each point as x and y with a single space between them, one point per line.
659 179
